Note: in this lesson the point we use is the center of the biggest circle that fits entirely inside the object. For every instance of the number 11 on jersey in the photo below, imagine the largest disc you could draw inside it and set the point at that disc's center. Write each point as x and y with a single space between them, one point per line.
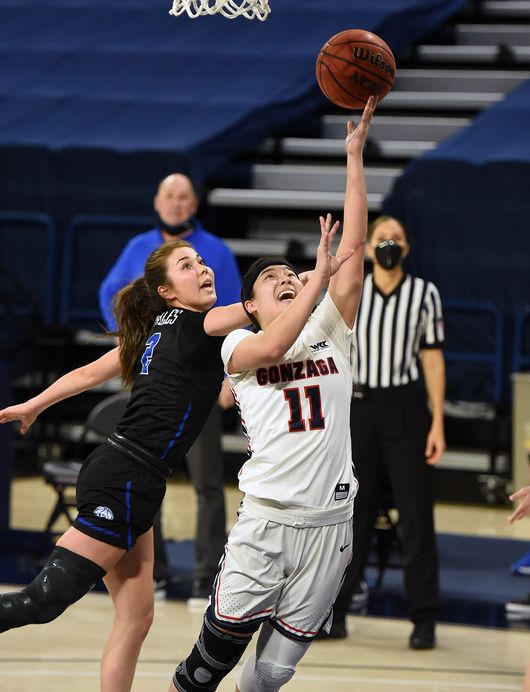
316 418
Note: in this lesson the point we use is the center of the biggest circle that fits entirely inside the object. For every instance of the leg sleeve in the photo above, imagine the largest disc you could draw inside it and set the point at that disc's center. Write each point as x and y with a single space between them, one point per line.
274 663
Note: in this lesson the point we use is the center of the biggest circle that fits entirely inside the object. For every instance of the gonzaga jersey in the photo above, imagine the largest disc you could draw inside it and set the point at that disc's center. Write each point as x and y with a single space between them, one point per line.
179 378
296 415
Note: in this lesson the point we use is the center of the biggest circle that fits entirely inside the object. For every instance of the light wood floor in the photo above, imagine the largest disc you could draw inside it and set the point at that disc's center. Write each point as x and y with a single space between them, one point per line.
64 655
31 501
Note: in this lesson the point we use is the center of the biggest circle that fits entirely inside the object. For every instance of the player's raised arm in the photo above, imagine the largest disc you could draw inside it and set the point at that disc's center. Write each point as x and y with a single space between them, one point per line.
223 319
277 336
345 286
74 382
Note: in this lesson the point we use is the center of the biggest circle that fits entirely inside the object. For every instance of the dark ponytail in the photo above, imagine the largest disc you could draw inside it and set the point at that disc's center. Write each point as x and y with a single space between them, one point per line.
137 305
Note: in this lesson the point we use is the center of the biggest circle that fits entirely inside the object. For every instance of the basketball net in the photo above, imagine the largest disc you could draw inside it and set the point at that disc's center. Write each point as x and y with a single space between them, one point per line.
250 9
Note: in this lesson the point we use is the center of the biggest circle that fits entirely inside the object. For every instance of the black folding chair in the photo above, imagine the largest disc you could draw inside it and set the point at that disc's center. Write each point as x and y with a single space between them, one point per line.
62 475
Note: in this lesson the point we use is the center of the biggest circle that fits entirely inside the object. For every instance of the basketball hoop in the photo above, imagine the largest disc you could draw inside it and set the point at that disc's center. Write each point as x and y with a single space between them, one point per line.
250 9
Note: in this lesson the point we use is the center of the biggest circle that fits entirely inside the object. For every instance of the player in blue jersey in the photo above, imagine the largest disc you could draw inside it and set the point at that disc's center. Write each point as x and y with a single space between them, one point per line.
169 352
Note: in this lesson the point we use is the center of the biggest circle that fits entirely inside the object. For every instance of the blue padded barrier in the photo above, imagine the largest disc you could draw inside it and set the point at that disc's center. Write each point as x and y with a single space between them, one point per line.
92 245
474 350
521 357
27 264
466 209
6 450
125 77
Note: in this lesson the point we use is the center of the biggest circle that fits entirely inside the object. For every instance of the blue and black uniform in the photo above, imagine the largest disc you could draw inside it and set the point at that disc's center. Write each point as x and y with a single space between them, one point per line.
123 482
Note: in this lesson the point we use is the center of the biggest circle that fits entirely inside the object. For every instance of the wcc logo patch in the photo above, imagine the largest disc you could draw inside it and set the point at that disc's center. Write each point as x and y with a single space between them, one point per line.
104 513
320 346
342 490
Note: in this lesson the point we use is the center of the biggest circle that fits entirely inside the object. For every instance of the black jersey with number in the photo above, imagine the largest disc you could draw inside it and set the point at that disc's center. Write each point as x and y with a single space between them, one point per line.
179 379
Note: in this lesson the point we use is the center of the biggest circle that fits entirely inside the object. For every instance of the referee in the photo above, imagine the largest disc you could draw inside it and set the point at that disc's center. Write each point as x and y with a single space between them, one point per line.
399 333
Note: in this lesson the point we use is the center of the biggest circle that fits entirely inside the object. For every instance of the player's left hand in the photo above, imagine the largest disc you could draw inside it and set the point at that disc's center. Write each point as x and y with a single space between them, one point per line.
356 137
25 413
328 264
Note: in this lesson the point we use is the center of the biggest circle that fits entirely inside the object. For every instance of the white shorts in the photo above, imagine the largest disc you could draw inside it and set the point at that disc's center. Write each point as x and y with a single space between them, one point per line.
288 575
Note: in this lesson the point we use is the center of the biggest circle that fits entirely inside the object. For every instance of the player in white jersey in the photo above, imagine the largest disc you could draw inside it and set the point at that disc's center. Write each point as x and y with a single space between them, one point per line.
292 411
286 555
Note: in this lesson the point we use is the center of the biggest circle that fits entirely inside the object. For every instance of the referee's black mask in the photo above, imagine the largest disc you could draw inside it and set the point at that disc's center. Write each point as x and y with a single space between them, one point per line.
388 254
252 274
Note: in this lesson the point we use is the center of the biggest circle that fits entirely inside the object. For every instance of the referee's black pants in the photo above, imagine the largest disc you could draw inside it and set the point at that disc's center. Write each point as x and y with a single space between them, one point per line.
389 430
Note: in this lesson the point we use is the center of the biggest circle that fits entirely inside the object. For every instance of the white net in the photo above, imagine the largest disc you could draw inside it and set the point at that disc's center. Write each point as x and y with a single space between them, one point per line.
250 9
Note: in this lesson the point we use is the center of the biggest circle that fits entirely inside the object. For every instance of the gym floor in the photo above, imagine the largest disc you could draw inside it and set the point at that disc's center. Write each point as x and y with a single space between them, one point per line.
64 655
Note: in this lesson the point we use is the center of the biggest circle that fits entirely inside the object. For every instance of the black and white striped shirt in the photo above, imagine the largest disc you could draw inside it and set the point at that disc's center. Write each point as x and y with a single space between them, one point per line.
391 329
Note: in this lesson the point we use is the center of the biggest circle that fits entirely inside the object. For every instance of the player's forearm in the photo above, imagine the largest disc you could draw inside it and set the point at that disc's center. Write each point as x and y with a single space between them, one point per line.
76 381
283 331
224 319
355 222
345 287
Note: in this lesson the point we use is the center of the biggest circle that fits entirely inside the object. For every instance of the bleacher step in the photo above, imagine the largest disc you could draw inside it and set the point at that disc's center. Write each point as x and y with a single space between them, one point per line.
472 54
386 148
399 127
285 199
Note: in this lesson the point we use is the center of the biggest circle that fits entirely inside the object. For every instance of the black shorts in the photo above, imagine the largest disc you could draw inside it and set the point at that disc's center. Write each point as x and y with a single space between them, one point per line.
117 497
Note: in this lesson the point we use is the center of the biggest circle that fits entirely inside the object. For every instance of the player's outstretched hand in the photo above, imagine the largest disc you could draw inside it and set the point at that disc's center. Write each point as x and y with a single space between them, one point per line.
328 264
24 413
356 137
522 496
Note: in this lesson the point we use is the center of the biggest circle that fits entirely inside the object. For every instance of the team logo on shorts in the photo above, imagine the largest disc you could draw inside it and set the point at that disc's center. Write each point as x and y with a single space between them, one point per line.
104 513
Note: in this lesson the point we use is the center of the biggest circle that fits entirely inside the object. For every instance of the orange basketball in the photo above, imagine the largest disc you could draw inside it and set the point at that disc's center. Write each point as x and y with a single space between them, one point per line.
353 65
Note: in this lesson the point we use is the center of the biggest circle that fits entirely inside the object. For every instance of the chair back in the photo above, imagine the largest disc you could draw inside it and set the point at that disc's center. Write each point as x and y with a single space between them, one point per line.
106 415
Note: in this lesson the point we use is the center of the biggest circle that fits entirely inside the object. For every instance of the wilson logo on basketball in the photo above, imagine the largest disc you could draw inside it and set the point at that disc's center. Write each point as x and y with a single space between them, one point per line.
104 513
366 55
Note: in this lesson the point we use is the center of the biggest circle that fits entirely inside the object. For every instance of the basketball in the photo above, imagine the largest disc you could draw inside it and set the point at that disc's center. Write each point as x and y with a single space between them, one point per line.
354 65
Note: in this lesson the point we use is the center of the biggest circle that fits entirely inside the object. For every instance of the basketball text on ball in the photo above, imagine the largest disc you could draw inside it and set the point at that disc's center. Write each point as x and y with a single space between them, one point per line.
375 58
366 83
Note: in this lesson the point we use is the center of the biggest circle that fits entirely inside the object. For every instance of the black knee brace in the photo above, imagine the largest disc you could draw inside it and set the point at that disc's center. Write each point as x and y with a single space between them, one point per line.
214 655
63 580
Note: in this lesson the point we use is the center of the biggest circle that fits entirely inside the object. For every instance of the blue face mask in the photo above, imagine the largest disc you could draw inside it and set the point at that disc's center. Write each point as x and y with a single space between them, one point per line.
388 254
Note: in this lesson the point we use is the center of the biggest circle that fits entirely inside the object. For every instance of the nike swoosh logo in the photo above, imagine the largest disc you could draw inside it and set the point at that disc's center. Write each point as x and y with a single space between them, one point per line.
343 547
